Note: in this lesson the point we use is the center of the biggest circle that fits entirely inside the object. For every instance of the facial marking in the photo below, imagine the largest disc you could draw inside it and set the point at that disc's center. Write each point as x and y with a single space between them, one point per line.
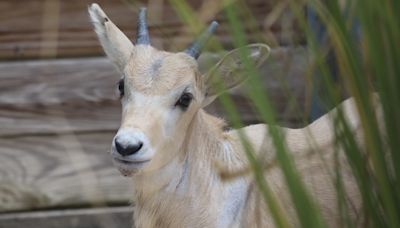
155 66
154 72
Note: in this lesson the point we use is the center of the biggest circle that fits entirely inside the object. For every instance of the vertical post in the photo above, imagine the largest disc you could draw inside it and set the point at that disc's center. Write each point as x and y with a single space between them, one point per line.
319 104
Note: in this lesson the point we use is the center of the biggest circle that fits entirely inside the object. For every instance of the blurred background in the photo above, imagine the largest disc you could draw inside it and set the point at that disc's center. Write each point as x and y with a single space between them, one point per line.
59 109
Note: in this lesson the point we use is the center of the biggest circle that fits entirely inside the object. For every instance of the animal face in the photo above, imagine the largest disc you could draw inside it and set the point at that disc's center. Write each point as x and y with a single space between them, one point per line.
161 92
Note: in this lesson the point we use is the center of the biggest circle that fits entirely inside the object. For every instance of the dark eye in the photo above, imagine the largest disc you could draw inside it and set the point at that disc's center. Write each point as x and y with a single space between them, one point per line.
184 100
121 88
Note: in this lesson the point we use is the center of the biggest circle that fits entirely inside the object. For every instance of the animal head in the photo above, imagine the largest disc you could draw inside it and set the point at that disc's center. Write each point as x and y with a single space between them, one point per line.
161 91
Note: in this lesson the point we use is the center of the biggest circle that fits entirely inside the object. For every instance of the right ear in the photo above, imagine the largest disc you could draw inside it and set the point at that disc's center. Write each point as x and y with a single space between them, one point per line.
230 71
114 42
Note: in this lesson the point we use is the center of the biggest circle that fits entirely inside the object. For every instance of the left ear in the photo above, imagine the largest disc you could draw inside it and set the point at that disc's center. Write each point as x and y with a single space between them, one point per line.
230 71
115 43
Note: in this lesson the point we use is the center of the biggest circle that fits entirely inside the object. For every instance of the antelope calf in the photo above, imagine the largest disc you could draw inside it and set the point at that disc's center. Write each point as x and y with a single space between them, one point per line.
169 145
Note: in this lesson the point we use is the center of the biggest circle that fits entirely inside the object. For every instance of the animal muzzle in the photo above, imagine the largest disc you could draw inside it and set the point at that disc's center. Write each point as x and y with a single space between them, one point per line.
131 150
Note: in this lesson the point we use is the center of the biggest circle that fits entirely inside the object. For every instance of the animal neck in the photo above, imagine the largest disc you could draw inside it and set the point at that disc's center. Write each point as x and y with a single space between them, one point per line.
188 188
203 143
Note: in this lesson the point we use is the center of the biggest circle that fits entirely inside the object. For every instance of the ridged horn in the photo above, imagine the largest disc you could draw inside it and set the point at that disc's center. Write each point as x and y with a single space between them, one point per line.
195 47
142 35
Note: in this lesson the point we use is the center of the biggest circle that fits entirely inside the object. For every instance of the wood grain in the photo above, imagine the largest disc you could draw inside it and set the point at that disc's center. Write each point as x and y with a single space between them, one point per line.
77 218
36 95
66 170
58 118
48 29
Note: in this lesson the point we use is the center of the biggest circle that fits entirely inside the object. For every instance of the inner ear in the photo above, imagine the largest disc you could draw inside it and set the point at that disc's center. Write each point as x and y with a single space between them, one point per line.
115 43
230 71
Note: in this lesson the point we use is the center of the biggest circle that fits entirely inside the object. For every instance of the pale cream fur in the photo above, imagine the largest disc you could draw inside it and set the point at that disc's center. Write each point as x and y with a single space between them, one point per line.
181 187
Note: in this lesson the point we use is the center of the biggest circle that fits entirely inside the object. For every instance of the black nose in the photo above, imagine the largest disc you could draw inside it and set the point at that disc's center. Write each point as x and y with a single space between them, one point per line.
129 149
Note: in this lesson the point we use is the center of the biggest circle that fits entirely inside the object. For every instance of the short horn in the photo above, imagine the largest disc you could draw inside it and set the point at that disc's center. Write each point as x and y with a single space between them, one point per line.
194 49
142 35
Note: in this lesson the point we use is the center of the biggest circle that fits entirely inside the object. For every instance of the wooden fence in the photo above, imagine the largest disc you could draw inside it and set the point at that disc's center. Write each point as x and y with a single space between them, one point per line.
58 115
54 28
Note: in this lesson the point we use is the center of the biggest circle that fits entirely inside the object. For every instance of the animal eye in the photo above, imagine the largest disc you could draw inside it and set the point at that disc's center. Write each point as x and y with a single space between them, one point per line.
121 87
184 100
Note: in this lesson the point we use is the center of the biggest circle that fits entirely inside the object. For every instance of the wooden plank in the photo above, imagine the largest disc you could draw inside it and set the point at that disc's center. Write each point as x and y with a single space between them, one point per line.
77 218
58 118
66 170
37 96
40 97
48 29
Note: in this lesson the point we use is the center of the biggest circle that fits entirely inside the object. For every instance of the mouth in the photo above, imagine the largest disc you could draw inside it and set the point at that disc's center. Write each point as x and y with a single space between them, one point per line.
129 167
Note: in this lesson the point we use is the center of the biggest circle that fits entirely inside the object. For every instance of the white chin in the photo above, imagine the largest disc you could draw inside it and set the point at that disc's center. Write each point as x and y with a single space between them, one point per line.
129 168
